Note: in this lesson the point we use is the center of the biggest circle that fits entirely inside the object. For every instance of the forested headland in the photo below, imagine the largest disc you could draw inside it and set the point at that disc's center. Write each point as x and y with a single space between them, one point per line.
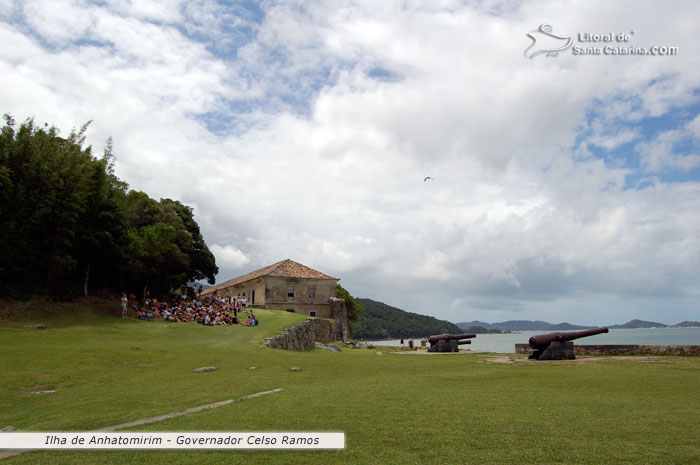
69 226
382 321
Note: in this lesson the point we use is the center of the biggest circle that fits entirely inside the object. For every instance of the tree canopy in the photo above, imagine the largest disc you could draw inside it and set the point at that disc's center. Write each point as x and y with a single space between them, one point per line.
68 224
381 321
353 308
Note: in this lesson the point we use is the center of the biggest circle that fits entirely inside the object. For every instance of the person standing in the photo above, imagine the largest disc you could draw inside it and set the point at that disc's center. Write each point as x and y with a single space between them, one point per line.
410 344
124 301
402 345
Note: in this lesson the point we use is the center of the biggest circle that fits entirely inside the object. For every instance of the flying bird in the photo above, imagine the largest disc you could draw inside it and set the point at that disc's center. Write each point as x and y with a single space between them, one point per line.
428 177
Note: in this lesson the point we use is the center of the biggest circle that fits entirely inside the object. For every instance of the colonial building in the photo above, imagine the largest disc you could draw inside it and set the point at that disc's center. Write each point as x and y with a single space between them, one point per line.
286 285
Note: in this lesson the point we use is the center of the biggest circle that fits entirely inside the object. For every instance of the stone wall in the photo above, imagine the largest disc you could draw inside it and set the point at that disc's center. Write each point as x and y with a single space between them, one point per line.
307 333
304 335
620 349
339 313
276 291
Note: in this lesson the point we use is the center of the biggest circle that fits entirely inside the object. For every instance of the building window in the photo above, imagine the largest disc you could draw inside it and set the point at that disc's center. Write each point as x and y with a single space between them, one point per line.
290 291
312 292
312 313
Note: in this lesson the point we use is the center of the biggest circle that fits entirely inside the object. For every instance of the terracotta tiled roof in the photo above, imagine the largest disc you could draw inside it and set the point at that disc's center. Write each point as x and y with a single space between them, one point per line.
284 269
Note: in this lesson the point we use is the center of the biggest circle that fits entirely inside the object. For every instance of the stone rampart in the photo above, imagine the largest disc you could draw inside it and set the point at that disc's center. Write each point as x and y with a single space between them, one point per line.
623 349
307 333
339 313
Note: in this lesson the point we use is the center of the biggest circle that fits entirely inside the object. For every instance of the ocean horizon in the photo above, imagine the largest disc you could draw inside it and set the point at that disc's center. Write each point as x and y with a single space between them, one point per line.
505 343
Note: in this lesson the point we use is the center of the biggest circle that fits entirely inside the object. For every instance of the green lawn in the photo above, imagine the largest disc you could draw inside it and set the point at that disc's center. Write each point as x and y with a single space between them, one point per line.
395 409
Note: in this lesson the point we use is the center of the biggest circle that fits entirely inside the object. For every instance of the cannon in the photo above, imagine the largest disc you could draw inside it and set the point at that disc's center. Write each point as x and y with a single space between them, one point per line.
450 337
558 346
449 342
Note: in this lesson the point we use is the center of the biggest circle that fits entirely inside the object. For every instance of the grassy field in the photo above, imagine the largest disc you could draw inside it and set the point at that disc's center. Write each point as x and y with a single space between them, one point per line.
393 408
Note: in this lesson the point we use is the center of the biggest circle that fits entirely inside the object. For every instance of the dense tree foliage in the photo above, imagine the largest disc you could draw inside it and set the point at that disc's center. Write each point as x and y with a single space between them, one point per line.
381 321
67 223
353 308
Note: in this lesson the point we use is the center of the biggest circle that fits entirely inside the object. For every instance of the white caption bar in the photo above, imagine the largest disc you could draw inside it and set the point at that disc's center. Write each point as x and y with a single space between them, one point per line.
189 440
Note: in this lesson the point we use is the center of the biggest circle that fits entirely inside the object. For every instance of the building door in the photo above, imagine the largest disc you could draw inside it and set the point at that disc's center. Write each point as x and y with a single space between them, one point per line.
252 297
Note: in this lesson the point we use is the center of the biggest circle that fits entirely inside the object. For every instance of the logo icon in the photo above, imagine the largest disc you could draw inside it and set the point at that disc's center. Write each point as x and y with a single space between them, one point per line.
543 41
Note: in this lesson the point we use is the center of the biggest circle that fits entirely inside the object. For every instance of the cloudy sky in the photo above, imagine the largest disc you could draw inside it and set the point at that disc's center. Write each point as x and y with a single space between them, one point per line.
565 188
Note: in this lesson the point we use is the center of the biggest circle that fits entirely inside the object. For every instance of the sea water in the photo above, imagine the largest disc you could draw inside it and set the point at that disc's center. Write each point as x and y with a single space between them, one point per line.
505 343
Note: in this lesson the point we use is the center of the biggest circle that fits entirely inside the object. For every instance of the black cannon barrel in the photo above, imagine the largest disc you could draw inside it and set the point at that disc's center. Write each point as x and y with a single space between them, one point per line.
450 337
543 340
464 341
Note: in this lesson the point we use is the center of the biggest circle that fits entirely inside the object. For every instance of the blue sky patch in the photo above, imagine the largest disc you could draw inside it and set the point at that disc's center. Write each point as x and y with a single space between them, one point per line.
666 134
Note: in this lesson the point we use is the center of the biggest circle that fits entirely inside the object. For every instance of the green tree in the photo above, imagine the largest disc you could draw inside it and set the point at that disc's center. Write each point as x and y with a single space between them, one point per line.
102 235
67 222
381 321
202 261
44 200
153 255
354 309
166 248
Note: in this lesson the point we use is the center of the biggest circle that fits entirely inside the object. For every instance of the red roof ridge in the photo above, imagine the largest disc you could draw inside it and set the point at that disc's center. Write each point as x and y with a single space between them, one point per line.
283 269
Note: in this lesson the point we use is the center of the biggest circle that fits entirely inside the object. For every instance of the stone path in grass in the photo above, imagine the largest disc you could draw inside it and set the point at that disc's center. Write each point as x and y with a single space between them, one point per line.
144 421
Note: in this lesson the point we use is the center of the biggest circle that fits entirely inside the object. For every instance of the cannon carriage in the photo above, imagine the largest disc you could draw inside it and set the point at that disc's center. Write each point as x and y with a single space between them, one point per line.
449 342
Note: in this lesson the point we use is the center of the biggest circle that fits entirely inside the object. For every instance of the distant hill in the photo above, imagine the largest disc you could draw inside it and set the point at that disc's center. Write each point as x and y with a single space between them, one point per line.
475 323
482 330
382 321
474 329
687 324
634 324
527 325
523 325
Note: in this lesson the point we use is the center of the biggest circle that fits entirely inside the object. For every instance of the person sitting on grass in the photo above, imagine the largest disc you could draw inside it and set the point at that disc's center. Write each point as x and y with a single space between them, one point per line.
179 310
155 312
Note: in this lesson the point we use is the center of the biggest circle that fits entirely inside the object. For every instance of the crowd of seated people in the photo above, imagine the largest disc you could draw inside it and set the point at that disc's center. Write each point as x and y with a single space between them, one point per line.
209 312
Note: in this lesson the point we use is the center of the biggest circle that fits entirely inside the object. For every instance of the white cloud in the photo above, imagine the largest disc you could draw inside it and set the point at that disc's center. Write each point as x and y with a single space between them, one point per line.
229 256
6 7
58 22
161 11
694 127
602 136
659 154
313 158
